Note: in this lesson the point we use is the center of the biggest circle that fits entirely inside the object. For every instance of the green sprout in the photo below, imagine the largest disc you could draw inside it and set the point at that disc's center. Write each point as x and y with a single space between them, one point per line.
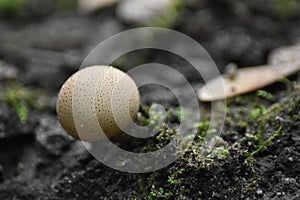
221 152
263 144
173 180
169 19
157 117
264 94
64 4
258 112
284 80
154 194
22 100
14 6
183 113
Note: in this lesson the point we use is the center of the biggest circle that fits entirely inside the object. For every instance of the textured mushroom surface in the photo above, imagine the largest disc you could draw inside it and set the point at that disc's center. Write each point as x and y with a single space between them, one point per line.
95 101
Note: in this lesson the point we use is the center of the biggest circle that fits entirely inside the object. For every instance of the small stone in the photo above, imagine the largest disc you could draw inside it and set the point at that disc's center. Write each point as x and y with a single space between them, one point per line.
279 194
259 192
7 71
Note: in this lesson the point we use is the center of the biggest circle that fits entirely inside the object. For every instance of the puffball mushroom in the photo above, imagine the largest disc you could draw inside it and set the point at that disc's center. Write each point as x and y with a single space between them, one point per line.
103 92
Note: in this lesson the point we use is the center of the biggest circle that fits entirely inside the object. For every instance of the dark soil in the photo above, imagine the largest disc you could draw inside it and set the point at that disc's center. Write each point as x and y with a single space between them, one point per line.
38 160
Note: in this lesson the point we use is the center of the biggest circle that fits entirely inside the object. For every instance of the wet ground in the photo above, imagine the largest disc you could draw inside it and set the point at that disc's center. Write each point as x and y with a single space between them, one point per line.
38 160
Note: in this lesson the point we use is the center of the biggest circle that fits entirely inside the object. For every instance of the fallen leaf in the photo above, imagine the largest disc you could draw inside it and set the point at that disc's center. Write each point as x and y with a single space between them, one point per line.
282 62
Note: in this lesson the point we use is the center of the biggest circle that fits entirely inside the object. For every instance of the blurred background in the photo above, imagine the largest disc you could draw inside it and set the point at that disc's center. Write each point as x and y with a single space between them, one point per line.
49 38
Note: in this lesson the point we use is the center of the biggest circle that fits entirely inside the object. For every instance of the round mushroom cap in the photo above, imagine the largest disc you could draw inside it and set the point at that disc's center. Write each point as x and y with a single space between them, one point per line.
97 101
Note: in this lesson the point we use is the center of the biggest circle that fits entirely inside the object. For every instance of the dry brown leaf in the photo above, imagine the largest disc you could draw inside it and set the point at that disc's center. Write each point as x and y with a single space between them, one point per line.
283 62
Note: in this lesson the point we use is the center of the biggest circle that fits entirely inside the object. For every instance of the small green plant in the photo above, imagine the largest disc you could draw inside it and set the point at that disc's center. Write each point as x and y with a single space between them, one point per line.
173 178
170 17
264 94
165 135
157 117
21 99
159 193
155 192
264 144
13 6
204 128
261 144
252 184
258 112
285 81
221 152
64 4
183 113
286 8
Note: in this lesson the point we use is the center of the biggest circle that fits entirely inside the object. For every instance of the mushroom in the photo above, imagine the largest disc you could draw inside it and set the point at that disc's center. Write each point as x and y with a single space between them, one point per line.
282 62
101 92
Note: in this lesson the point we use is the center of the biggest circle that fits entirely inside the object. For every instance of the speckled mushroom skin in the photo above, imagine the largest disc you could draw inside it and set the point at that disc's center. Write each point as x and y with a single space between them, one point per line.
115 102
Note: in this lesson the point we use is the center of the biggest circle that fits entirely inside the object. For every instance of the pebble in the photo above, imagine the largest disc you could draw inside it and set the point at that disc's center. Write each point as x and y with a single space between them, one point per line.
259 192
280 194
291 159
7 71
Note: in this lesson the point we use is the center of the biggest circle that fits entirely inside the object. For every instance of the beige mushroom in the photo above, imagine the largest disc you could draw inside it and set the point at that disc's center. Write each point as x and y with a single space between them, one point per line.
95 101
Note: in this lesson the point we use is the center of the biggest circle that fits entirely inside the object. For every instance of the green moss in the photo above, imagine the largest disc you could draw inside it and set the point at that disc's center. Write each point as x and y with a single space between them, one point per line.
183 113
159 193
14 6
221 152
258 112
65 4
258 123
286 9
173 178
264 94
252 184
273 123
21 99
157 116
18 7
150 189
285 81
261 144
169 19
